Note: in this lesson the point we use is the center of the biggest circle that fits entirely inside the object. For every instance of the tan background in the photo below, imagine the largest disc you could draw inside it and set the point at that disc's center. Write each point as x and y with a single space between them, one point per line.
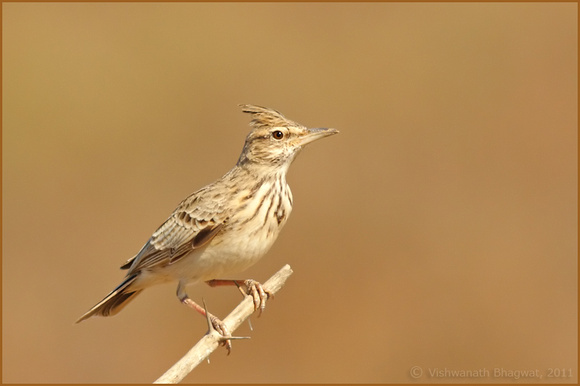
438 230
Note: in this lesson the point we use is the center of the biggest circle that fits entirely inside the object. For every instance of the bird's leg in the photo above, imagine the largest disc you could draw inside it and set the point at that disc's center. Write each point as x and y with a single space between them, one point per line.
253 288
214 323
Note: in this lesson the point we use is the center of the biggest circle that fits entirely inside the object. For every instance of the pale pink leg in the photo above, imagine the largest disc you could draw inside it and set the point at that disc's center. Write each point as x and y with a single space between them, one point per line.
216 323
255 289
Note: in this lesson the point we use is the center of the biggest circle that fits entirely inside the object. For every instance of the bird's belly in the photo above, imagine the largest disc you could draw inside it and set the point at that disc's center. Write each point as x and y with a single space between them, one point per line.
235 256
222 258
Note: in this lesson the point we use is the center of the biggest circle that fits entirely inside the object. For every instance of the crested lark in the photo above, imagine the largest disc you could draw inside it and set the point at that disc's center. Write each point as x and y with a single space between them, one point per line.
224 227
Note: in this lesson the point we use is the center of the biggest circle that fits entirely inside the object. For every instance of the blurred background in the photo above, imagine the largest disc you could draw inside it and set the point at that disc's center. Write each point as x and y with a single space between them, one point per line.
437 231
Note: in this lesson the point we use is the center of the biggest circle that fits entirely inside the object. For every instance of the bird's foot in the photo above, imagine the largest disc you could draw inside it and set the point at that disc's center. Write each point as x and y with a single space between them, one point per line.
253 289
258 293
215 324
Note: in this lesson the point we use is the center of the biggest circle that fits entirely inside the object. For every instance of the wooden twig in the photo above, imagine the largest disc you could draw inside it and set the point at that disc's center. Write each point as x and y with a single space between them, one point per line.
211 341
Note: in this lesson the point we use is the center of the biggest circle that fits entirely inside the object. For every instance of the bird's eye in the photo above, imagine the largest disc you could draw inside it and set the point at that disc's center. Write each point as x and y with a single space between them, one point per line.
278 134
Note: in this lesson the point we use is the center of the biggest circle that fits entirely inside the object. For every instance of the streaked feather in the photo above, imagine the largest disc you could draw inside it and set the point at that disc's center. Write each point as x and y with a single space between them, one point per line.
228 225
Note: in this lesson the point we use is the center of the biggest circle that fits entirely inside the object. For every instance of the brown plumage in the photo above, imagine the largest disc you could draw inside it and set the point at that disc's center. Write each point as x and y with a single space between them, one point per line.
224 227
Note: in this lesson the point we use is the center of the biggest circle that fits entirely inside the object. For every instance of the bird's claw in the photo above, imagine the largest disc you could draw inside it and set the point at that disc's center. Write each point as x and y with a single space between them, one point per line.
258 293
215 324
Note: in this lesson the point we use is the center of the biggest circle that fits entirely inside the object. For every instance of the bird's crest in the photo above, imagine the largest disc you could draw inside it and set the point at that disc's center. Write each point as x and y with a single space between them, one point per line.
264 117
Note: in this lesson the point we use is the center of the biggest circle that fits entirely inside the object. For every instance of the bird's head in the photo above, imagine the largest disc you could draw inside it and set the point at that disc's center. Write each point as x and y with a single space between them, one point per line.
274 139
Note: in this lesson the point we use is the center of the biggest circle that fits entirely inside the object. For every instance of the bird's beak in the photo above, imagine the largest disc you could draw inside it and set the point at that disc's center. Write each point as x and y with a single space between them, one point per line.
312 135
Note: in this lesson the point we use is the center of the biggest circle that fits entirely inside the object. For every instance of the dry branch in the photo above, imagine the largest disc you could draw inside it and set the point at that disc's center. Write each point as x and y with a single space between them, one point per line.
210 342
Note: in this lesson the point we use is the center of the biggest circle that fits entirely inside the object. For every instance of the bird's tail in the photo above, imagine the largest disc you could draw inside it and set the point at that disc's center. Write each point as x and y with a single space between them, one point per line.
115 301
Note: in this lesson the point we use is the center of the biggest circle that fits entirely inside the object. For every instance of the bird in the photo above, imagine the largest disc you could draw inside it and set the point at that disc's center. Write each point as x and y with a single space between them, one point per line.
225 227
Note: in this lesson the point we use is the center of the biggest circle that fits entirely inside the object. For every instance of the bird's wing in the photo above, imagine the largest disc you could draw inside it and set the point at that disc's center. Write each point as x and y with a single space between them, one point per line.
192 225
